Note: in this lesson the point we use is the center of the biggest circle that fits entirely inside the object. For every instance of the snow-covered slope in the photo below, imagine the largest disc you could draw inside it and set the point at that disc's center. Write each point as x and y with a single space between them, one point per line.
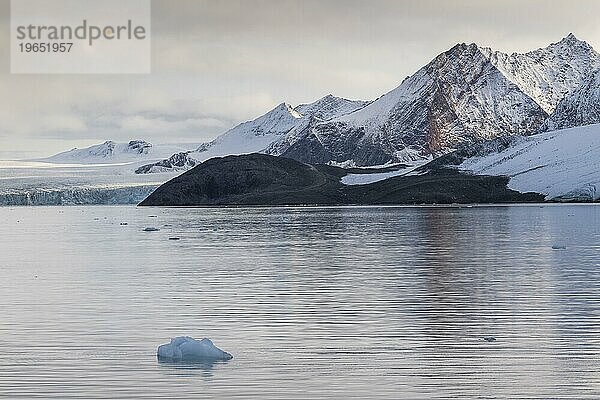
257 135
465 94
111 152
582 107
271 133
560 164
252 136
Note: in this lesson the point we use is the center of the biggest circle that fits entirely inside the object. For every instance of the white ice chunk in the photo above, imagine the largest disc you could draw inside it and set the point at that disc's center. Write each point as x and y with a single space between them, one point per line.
185 348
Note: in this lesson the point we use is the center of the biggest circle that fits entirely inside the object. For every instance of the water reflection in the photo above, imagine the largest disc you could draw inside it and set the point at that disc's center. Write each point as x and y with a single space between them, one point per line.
192 367
314 302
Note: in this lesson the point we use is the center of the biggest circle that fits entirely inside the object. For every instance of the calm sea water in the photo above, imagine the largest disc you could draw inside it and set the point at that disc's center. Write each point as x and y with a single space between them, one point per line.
312 302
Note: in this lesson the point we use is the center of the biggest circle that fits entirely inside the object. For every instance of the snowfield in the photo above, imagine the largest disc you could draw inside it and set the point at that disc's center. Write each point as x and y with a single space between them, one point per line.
562 165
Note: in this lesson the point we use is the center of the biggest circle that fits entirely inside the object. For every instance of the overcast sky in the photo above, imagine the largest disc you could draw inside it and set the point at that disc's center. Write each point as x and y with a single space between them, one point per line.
217 63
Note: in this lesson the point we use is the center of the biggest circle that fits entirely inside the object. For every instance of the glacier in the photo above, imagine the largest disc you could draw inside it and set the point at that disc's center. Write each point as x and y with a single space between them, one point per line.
370 175
51 183
76 195
99 174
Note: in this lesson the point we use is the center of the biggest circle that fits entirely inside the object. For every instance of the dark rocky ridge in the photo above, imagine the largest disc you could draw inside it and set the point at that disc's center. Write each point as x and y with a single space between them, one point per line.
258 179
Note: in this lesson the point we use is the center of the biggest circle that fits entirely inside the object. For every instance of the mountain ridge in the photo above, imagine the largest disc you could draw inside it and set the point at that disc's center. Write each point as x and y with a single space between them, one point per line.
445 104
465 94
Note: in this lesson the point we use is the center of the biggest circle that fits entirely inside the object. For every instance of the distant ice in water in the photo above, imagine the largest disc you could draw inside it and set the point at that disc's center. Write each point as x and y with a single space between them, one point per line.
185 348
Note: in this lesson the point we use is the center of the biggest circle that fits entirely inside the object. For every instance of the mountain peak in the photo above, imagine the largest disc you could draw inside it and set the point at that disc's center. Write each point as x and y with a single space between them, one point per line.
285 108
571 42
324 100
458 52
461 47
329 106
570 38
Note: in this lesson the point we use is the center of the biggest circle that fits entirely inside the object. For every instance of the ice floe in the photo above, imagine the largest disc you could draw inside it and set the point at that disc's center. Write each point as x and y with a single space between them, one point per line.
185 348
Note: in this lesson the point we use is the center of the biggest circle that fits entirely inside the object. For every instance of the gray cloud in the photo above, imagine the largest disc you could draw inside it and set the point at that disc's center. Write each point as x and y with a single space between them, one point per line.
217 63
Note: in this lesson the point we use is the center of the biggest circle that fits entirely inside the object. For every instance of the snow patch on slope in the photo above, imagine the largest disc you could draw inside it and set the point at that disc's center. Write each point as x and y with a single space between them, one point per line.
365 179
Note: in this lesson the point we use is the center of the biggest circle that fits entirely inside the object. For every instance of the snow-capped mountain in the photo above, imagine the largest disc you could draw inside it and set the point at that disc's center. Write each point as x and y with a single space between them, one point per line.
257 135
253 136
111 152
272 132
561 164
465 94
105 152
547 75
582 107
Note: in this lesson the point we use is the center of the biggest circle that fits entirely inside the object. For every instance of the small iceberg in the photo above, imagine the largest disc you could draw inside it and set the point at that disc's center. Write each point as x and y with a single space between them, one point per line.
185 348
151 229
